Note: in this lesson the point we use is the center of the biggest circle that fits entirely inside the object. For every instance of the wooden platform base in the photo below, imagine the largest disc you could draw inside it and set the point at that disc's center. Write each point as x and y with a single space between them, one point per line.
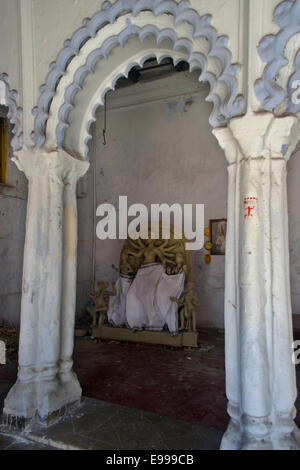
185 339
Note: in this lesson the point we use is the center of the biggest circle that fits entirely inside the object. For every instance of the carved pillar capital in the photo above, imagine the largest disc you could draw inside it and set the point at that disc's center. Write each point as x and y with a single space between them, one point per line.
42 162
228 143
264 135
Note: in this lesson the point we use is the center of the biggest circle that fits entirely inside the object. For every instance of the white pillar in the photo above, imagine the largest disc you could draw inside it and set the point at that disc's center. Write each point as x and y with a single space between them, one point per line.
40 391
69 278
259 367
231 296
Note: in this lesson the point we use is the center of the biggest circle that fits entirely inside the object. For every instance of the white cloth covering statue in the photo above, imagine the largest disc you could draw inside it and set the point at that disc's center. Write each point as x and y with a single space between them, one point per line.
116 313
148 303
152 274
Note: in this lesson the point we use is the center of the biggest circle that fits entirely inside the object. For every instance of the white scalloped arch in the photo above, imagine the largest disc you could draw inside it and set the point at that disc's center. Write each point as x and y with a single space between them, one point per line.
69 127
82 132
76 86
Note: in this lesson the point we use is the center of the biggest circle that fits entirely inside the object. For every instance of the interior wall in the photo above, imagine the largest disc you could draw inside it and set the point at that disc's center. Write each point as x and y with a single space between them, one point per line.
293 187
85 208
10 40
160 149
13 202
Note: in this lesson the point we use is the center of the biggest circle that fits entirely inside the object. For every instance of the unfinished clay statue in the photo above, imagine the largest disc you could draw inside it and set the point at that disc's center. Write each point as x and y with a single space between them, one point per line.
189 301
101 302
151 272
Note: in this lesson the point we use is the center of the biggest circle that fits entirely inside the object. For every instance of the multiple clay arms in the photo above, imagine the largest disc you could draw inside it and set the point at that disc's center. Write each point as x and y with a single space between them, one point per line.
150 253
170 253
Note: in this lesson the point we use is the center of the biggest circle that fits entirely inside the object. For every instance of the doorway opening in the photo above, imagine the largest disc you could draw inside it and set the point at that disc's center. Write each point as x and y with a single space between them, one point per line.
158 148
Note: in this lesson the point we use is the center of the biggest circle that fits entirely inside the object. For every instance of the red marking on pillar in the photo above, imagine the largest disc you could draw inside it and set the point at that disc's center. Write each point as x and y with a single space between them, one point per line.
249 206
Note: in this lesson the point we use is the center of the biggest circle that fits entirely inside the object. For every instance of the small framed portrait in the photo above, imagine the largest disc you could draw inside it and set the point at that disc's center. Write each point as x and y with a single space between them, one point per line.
218 228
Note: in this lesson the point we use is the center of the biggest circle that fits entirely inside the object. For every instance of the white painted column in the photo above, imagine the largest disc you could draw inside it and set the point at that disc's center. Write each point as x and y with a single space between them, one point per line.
40 391
264 415
282 140
67 374
231 295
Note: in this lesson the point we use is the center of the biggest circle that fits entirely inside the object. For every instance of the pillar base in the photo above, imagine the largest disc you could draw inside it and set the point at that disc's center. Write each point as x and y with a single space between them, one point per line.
40 402
236 438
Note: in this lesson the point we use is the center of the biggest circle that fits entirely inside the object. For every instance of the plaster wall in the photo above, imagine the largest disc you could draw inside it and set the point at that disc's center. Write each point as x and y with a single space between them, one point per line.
13 201
86 219
10 34
294 231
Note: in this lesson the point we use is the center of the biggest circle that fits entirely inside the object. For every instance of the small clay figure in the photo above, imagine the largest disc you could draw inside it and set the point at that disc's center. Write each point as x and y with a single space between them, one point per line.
189 301
101 302
92 294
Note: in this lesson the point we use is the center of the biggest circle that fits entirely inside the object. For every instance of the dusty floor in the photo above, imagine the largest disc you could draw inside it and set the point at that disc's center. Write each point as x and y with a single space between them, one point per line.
8 442
181 391
184 384
98 425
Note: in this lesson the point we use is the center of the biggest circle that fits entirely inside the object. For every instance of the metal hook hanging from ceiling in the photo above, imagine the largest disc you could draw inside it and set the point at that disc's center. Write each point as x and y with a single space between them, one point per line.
105 122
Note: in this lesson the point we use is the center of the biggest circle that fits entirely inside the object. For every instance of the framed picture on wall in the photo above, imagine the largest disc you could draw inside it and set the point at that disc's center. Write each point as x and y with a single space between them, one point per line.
218 228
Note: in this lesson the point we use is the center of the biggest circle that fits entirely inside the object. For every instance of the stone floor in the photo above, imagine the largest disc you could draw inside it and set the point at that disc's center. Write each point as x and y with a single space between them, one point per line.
12 442
98 425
